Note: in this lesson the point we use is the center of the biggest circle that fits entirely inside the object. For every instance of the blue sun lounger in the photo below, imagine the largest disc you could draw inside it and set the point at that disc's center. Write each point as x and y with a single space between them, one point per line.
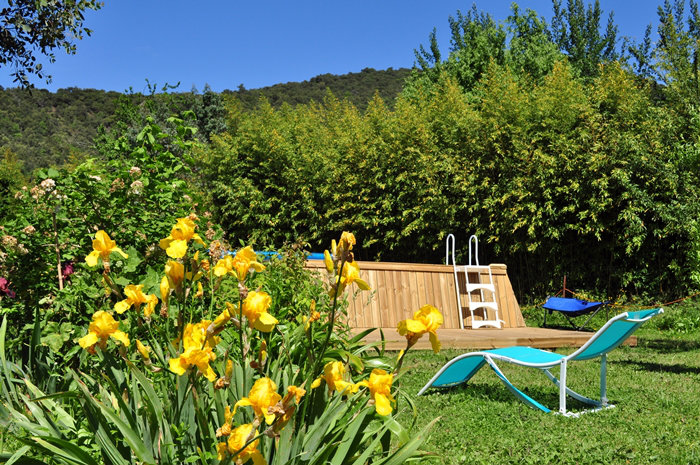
571 308
461 369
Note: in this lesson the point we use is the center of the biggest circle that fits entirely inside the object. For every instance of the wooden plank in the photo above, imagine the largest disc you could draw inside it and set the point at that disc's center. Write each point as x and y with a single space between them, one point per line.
412 280
451 307
374 315
388 315
401 305
444 299
516 316
421 289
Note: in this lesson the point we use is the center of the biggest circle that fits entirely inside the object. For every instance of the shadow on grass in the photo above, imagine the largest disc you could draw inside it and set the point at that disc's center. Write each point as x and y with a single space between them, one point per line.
660 367
549 397
669 345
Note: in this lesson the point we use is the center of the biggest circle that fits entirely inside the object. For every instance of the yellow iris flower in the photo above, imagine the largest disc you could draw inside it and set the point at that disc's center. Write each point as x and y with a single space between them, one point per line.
426 320
255 308
102 247
236 441
328 261
334 376
220 321
347 240
379 385
262 396
227 427
238 265
145 351
286 410
350 274
102 327
175 272
136 297
198 351
164 290
175 245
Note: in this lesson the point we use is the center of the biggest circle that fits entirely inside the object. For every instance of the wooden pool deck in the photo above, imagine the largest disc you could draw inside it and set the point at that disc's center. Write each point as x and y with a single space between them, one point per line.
489 338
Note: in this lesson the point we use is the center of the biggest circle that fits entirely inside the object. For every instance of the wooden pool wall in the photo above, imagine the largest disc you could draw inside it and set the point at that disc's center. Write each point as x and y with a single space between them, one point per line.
399 289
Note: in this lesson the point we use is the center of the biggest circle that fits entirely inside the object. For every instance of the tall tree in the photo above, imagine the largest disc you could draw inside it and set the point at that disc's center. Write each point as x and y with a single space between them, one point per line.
531 50
29 28
476 40
211 116
576 30
677 53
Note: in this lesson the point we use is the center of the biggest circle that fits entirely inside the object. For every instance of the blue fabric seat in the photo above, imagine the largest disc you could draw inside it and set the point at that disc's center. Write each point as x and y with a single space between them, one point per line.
462 368
571 308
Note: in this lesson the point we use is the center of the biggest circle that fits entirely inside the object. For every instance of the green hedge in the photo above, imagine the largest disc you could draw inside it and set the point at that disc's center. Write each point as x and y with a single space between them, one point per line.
590 180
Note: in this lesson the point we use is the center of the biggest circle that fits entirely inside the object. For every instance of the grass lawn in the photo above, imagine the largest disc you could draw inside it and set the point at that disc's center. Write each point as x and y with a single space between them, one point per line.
655 387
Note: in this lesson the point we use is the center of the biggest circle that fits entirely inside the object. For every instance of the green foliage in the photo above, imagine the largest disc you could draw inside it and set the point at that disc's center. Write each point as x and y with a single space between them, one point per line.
11 179
576 31
183 395
49 129
476 40
556 176
30 28
530 49
137 195
526 43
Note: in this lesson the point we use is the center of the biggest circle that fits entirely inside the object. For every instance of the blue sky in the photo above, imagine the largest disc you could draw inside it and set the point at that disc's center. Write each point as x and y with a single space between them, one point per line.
261 43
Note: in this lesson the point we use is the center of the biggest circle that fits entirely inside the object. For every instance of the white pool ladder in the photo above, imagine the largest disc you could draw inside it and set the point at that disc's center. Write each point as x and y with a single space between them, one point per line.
475 268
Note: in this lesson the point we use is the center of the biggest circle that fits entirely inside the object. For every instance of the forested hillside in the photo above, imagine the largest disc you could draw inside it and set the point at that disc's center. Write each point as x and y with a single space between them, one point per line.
45 129
358 88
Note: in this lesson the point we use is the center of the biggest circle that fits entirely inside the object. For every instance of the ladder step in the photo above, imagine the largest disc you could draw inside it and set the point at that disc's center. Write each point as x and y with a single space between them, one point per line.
492 305
480 286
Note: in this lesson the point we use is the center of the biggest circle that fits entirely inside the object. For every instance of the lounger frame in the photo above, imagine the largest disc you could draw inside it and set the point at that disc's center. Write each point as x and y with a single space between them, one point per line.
461 368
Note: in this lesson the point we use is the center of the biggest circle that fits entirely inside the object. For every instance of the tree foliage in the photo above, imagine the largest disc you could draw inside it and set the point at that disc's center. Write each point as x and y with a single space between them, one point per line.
577 31
565 176
29 28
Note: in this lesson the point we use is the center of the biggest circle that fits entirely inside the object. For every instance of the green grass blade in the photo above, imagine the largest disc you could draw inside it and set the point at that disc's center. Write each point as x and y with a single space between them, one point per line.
407 450
78 454
21 460
8 385
349 438
17 455
47 446
62 416
371 448
131 437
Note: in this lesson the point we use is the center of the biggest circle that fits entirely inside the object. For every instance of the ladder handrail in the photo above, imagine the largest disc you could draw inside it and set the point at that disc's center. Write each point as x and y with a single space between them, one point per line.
451 238
447 250
474 239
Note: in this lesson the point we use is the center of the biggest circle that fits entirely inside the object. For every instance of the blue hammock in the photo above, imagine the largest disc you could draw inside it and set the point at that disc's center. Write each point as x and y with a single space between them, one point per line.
571 308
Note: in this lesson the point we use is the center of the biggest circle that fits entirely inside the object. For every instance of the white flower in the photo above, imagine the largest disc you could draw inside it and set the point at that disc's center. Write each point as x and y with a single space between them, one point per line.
48 184
136 187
